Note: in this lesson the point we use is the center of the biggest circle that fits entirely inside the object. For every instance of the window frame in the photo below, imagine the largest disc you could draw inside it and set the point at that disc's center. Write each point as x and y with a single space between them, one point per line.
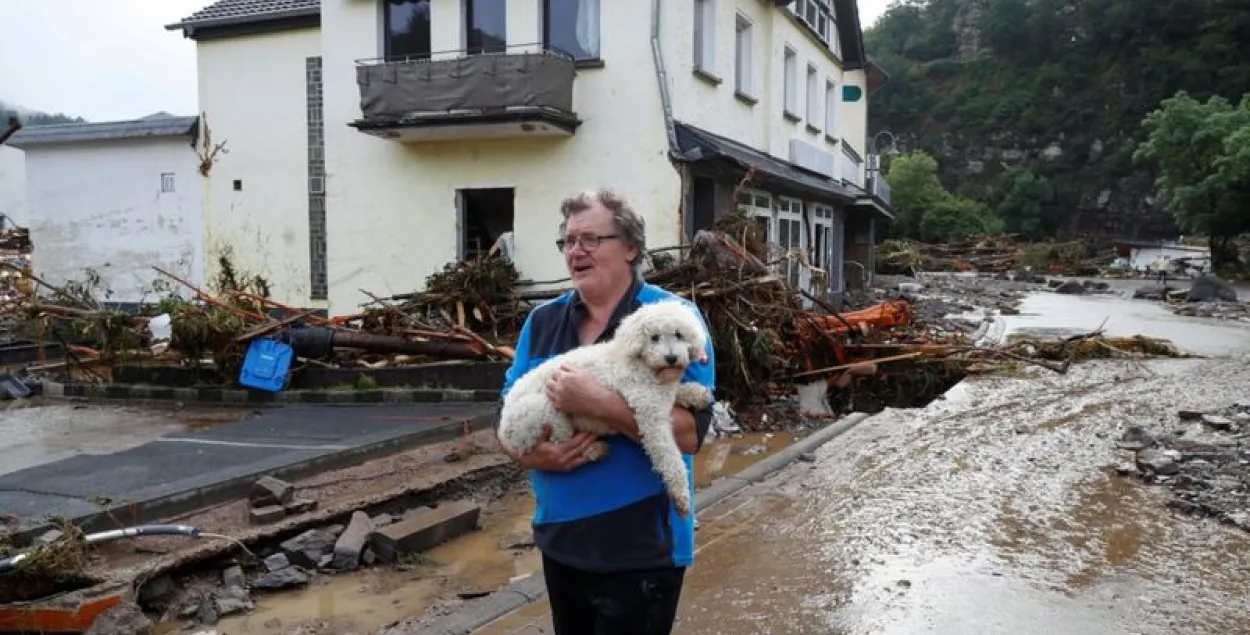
744 55
790 81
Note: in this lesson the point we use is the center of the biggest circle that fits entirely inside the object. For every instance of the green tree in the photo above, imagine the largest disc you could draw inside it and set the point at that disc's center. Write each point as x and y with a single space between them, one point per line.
914 189
954 218
1199 152
1028 207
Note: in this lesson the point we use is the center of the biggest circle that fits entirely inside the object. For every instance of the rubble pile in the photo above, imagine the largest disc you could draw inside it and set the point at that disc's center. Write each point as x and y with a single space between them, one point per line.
988 254
1203 461
1208 296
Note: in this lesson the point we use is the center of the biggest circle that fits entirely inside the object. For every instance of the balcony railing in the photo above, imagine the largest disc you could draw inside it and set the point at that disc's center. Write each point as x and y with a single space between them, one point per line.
459 88
879 188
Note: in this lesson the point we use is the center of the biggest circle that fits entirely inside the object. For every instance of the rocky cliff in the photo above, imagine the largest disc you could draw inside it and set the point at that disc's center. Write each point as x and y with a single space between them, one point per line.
1035 106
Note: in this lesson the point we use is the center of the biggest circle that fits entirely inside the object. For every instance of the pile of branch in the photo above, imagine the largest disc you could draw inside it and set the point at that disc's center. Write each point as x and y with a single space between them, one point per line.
986 254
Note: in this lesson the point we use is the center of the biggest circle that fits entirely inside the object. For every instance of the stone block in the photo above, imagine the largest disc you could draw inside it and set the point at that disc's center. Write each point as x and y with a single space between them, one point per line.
425 530
300 506
271 491
266 515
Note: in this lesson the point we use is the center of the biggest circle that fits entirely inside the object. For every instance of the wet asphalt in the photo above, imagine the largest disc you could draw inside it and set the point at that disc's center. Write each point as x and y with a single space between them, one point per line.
993 510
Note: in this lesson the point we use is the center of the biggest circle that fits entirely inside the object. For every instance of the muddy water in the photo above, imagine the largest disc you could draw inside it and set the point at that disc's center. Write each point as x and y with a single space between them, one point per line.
990 511
482 561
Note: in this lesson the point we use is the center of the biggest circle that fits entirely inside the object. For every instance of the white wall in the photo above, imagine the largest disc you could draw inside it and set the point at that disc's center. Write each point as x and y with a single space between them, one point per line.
13 185
1143 258
100 205
252 91
391 207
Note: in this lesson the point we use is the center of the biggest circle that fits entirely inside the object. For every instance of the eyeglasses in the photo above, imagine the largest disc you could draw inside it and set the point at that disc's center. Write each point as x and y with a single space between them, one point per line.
589 243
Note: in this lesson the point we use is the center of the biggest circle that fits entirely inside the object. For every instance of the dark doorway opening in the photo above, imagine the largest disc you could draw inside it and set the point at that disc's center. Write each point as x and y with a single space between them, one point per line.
703 195
485 215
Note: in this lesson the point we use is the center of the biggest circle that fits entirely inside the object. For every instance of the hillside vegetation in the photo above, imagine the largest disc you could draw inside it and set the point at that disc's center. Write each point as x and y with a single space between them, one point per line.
1035 109
33 118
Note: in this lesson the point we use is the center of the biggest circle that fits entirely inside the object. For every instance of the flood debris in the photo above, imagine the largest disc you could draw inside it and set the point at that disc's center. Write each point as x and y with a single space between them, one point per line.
1203 459
273 499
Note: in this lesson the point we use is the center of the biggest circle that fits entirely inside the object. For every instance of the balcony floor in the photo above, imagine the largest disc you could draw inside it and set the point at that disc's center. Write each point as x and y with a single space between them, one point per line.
470 125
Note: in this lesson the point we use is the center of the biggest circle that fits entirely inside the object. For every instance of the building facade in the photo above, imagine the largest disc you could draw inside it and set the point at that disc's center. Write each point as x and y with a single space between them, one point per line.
372 141
115 198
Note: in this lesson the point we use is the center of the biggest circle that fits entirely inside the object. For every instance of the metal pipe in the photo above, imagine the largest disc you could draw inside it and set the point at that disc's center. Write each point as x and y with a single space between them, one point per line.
661 75
7 565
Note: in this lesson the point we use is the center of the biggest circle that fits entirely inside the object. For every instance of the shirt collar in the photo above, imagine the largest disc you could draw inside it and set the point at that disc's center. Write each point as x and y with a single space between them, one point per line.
623 308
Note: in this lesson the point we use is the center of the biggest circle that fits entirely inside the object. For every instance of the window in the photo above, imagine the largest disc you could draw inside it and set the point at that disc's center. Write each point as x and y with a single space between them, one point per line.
759 206
831 109
813 96
407 29
791 86
572 27
704 35
743 77
826 246
167 182
790 237
850 168
486 26
819 17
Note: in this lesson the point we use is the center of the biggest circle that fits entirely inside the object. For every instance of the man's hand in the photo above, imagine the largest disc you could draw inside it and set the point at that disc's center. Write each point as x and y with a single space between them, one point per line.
554 457
573 392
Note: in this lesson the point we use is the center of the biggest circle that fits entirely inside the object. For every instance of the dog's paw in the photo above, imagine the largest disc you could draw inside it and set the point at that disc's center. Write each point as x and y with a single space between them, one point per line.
694 396
596 451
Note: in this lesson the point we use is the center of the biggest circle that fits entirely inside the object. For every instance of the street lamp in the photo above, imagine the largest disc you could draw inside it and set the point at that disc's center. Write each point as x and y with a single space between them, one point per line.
874 155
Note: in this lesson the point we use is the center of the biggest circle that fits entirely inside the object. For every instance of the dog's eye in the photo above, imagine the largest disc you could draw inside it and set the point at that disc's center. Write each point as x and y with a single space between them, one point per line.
655 338
677 334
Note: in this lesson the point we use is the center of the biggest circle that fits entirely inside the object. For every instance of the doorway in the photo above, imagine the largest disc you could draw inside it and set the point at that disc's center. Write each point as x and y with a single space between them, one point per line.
485 215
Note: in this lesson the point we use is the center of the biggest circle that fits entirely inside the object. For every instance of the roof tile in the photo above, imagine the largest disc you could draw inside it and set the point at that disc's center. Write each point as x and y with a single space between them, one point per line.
238 11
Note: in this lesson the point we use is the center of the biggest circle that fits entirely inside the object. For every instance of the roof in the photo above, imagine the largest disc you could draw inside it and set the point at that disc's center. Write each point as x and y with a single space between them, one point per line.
698 145
236 12
147 127
851 33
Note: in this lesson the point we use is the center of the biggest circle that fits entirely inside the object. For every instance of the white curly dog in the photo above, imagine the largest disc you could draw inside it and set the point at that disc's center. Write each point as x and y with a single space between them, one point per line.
644 362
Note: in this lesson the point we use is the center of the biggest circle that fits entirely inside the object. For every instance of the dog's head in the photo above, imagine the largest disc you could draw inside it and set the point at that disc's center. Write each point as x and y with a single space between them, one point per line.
667 336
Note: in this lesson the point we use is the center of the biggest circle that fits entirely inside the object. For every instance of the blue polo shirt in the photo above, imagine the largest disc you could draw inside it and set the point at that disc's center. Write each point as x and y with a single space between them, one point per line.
614 514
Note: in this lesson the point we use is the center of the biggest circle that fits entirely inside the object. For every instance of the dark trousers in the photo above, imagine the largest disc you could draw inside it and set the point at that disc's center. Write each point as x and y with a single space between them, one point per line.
626 603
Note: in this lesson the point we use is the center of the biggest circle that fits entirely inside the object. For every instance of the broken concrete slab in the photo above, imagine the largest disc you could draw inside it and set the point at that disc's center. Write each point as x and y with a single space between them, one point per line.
307 549
351 542
266 515
270 491
300 506
425 530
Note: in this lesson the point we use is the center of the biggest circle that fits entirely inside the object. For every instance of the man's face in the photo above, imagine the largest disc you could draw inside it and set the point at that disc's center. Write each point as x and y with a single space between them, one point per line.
596 269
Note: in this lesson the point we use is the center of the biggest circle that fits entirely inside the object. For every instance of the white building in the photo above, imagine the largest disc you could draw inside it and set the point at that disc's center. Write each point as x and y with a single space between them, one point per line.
372 141
116 198
1151 257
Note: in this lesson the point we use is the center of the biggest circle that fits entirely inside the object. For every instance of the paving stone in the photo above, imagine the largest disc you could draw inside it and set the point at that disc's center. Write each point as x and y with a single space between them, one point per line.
425 530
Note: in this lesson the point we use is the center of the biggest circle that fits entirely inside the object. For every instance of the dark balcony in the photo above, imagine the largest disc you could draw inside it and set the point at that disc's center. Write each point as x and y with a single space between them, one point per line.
460 95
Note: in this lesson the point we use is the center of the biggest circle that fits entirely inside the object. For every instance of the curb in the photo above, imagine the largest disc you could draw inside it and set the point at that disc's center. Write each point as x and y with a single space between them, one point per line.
138 394
532 587
164 502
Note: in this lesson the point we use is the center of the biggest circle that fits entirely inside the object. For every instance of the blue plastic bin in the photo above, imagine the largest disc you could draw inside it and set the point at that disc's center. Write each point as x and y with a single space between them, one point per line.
267 365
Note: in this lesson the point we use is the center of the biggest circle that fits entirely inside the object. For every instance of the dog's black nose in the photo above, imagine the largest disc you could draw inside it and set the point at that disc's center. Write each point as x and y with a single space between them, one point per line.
671 359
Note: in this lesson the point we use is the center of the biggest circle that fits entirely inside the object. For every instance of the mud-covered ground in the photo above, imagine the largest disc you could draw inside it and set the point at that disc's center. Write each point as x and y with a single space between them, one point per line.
998 509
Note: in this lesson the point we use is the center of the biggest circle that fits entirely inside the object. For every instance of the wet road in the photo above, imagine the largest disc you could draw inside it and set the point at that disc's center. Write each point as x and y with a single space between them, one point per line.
33 433
990 511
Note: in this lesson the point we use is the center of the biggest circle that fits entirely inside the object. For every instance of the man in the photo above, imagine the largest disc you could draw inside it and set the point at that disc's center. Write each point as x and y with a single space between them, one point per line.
614 549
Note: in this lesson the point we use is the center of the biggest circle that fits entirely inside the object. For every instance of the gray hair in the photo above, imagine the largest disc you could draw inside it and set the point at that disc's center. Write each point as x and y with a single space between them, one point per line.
629 224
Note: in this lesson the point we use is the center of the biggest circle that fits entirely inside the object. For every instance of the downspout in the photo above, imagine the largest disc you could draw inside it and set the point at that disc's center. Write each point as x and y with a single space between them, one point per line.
661 75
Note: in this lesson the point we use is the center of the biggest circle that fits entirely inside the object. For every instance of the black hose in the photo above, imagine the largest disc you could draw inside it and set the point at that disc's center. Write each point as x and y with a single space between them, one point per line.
9 564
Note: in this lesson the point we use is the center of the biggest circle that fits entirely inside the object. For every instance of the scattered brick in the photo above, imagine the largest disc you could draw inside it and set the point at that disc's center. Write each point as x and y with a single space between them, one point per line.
300 506
267 514
270 491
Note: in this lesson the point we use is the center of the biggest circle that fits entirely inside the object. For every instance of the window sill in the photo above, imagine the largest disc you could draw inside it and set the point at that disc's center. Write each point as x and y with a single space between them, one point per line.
589 63
813 129
745 98
791 116
707 76
831 139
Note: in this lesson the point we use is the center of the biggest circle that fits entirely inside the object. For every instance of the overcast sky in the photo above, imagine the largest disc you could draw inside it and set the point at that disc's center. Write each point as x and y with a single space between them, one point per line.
112 59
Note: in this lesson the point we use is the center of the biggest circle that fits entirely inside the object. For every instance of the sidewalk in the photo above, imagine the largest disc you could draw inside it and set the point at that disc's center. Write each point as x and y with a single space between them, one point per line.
186 471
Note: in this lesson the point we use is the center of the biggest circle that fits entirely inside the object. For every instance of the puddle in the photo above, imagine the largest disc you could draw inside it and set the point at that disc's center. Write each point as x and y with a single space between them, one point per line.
730 455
